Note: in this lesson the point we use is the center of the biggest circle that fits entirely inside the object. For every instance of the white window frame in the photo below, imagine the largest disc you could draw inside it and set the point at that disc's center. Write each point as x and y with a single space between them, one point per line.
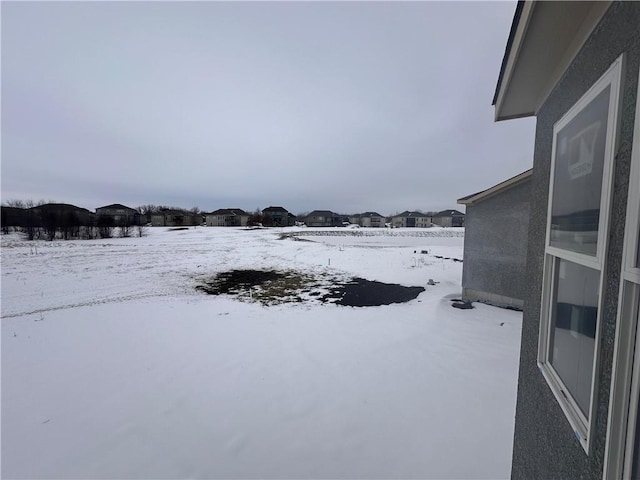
625 378
582 424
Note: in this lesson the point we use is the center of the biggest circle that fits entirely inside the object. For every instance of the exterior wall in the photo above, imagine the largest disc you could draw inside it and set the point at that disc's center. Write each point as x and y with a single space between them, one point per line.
175 219
495 248
544 443
215 220
373 222
377 222
491 298
442 221
157 220
454 221
318 221
423 222
226 220
403 222
399 222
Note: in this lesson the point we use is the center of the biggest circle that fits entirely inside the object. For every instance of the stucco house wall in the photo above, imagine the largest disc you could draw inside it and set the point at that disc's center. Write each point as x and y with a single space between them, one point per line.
495 247
545 445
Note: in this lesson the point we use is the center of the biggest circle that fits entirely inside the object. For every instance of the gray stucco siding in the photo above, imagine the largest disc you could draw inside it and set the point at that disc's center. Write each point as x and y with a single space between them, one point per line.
495 247
544 443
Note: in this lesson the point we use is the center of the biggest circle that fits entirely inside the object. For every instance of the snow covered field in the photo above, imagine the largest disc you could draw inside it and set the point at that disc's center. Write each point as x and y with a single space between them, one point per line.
115 366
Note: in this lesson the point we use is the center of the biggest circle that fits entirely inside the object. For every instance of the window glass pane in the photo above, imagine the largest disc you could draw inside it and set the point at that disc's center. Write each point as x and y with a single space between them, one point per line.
573 332
579 163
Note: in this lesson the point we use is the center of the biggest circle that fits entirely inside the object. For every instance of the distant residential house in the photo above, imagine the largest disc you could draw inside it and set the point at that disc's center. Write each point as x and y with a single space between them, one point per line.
119 214
355 219
411 219
340 220
277 217
175 218
372 219
448 218
326 218
319 218
495 243
227 217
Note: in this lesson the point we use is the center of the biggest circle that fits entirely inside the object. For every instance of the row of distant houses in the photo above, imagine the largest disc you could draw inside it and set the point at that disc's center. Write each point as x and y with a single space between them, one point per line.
276 216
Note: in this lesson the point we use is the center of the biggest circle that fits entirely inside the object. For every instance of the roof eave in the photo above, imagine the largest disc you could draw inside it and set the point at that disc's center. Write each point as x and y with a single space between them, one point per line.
496 189
557 29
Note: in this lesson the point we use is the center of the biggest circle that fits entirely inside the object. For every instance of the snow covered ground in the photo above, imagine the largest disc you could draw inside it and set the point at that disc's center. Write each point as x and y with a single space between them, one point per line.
115 366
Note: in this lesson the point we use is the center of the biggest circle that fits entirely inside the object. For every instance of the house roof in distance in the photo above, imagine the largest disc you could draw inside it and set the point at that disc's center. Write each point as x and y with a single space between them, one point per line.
496 189
169 211
115 206
229 211
407 214
448 213
275 209
321 213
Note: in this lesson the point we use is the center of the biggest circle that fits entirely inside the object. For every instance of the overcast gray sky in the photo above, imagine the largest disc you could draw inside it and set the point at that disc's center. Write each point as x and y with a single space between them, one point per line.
350 107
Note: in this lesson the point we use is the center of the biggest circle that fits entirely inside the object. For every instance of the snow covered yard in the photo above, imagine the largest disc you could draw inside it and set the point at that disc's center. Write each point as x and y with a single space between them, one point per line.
115 366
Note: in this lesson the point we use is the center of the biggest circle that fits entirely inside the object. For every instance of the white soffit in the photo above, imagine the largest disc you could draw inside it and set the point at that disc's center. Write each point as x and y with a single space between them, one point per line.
547 38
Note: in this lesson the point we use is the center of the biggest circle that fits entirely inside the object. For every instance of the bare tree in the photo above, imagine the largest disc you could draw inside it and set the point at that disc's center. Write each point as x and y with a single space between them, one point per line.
141 230
14 203
255 218
105 226
147 209
126 226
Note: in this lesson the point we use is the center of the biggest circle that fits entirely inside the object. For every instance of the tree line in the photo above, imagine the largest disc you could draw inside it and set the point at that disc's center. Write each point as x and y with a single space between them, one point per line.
50 220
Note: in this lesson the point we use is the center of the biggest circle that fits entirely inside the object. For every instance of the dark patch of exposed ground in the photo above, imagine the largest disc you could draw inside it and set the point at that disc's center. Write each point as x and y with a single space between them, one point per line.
271 287
360 292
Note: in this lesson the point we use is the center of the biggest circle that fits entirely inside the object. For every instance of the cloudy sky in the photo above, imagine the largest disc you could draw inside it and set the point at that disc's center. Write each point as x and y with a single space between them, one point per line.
347 106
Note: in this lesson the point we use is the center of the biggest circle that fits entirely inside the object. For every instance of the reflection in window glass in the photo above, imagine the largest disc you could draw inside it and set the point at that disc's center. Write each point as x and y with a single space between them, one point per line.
579 163
574 314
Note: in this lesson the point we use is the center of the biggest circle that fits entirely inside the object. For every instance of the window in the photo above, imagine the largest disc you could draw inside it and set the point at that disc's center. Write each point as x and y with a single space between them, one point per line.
584 142
578 172
622 452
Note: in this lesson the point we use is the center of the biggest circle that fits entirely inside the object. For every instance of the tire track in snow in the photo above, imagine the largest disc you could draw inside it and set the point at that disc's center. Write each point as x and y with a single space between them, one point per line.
104 301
